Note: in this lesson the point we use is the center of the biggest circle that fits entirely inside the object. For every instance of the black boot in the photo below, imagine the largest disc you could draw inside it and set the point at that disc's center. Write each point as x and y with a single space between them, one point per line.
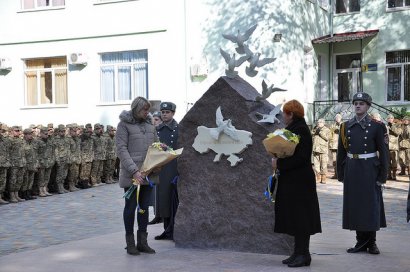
373 249
142 243
302 257
361 245
131 249
168 233
156 220
292 257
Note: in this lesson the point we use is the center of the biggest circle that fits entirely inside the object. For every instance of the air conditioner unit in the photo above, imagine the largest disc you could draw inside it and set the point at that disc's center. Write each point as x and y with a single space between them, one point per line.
5 64
77 59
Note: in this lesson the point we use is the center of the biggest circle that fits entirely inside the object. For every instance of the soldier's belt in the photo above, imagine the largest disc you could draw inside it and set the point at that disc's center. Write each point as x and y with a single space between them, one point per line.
362 156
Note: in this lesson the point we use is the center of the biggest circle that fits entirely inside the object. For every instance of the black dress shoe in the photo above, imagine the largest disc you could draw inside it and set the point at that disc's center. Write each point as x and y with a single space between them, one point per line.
359 247
164 236
373 249
290 259
156 220
301 260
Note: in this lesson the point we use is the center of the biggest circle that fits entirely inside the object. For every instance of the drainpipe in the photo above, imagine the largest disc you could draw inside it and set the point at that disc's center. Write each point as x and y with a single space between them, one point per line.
331 83
361 63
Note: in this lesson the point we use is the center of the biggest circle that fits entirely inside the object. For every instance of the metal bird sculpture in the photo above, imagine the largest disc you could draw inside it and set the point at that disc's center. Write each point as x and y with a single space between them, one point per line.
271 117
232 63
255 61
239 39
223 127
266 92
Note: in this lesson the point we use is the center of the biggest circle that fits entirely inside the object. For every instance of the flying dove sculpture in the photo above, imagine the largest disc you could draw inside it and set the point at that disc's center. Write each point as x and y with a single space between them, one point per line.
232 63
266 92
239 39
271 117
223 127
255 61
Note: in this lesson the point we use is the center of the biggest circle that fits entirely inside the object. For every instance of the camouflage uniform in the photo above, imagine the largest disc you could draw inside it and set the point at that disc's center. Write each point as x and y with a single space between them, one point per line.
321 138
18 162
87 156
99 156
30 151
404 144
62 153
394 132
4 162
46 159
111 155
333 141
75 159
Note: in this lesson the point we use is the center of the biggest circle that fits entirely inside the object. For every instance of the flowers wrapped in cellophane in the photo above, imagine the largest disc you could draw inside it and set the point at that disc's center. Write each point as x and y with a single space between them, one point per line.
281 143
158 155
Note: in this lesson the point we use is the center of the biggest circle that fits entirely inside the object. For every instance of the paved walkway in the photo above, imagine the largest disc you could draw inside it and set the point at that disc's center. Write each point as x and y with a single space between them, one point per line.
83 231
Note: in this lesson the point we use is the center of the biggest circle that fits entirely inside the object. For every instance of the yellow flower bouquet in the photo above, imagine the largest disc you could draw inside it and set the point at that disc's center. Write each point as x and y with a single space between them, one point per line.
281 143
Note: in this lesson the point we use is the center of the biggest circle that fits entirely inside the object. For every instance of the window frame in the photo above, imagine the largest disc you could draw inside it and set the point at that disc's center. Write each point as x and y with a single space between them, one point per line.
392 65
103 2
38 84
347 9
404 7
117 101
36 8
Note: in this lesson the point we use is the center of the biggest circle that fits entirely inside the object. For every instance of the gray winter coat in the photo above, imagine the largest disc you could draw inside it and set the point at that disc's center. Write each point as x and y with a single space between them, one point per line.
132 142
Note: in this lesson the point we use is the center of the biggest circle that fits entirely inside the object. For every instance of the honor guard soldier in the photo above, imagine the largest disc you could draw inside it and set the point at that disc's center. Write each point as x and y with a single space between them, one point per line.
168 134
362 162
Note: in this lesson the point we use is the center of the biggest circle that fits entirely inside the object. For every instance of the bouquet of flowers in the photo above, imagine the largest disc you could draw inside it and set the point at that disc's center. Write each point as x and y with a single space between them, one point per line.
158 155
281 143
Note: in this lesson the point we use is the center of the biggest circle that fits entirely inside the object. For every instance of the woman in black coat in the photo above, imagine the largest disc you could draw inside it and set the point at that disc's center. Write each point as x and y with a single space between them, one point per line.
297 206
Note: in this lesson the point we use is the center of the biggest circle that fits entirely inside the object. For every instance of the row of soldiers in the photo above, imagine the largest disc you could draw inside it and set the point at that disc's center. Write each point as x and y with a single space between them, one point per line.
325 142
59 159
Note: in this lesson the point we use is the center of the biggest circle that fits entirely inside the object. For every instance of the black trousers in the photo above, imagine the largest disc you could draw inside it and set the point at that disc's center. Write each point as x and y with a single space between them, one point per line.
363 236
131 206
302 244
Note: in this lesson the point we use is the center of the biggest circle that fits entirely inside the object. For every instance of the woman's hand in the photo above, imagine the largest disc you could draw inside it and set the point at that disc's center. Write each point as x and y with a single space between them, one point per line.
274 163
138 178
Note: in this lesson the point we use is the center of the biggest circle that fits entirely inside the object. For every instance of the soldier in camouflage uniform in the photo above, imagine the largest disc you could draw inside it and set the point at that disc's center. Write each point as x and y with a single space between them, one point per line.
18 162
62 153
321 136
46 159
111 155
4 161
394 132
87 156
334 138
99 156
404 143
75 159
30 151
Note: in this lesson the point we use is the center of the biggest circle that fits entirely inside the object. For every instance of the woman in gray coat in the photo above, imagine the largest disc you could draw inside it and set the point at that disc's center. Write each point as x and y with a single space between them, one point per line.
135 134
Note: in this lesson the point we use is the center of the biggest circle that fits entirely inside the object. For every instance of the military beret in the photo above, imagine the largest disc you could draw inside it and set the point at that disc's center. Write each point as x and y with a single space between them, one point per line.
167 106
28 131
362 96
97 126
88 125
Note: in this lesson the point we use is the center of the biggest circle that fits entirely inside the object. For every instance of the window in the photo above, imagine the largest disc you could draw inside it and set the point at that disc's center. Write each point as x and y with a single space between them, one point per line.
398 76
40 4
398 3
347 6
124 76
46 81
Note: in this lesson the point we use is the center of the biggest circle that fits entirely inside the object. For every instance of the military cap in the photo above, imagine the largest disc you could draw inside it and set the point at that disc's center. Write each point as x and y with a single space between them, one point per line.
40 126
4 127
406 118
20 128
362 96
61 127
97 126
50 125
28 131
109 127
167 106
32 126
88 125
44 130
81 126
156 114
15 128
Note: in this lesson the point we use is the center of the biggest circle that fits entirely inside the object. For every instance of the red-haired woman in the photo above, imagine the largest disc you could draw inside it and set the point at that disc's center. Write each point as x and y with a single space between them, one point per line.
297 206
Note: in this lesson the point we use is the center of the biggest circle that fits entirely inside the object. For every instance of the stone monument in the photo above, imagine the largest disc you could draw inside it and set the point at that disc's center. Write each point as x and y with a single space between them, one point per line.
224 207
